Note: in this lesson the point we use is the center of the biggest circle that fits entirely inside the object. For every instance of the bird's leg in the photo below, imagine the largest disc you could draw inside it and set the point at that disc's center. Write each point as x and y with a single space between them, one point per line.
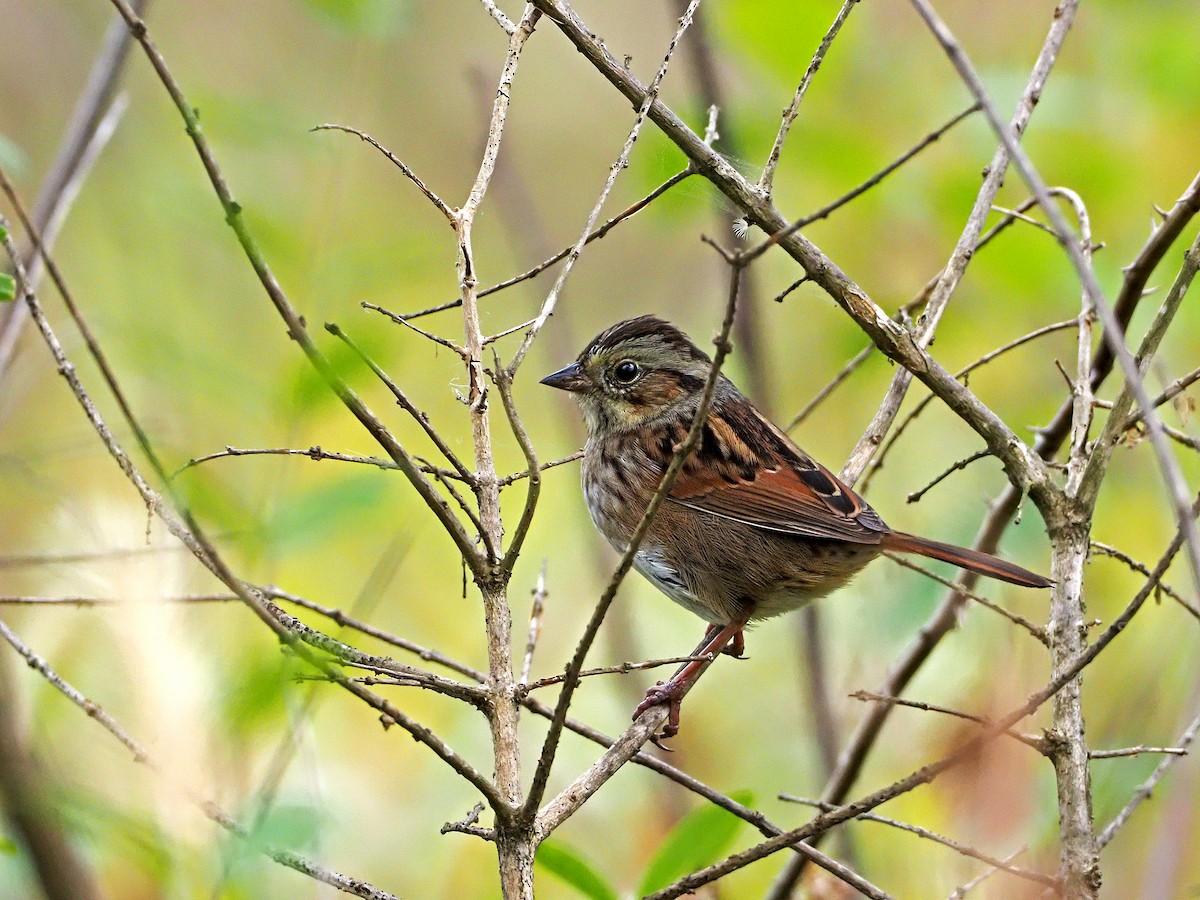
715 640
737 646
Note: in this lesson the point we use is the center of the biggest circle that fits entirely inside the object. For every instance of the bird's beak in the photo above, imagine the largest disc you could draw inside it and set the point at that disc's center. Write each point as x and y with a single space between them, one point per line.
569 378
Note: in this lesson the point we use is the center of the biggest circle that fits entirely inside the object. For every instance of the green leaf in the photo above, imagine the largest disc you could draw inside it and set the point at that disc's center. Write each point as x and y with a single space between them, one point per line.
8 287
566 863
7 847
701 838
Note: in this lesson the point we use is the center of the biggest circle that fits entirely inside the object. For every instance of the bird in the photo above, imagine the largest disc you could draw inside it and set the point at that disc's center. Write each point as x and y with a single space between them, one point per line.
752 527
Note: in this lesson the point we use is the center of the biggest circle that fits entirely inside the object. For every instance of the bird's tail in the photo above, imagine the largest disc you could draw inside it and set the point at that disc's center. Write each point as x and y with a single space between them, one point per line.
982 563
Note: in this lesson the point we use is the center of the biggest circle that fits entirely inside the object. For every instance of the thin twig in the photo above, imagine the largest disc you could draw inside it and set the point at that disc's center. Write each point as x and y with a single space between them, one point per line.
314 453
458 351
211 810
1113 552
92 123
1146 788
833 206
962 890
1029 741
924 402
397 162
565 252
1137 751
962 849
503 381
649 721
957 586
766 180
846 371
501 19
509 479
622 161
622 669
535 626
402 400
915 496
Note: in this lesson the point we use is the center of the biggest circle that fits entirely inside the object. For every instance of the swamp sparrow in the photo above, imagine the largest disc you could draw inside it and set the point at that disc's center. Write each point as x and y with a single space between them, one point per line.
753 526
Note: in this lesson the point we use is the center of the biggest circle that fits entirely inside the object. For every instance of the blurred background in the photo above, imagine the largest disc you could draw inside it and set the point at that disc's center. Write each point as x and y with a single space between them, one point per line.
207 363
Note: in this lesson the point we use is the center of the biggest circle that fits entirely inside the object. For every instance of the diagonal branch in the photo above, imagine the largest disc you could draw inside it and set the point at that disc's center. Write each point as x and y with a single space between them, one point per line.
647 724
297 330
210 809
1022 466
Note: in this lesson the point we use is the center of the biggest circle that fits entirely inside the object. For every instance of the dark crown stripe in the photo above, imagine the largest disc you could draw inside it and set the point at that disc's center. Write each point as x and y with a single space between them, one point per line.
642 327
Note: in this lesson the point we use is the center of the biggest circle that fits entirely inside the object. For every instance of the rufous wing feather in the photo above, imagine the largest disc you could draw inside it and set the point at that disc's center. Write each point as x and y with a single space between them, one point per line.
982 563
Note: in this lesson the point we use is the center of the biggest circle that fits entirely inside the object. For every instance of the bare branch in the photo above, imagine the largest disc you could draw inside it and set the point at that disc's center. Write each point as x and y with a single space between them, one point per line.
846 371
565 252
294 321
535 626
1137 751
501 19
959 892
402 400
766 180
286 628
622 161
1147 787
958 466
503 382
1036 630
211 810
467 825
1029 741
458 351
1172 476
647 724
92 123
622 669
1110 551
962 849
312 453
961 373
509 479
397 162
833 206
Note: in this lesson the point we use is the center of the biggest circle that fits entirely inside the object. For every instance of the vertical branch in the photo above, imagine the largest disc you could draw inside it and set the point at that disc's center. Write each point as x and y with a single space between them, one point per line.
1065 742
515 846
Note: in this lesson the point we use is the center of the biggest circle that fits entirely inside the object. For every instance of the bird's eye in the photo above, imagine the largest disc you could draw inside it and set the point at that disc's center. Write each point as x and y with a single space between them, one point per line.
625 372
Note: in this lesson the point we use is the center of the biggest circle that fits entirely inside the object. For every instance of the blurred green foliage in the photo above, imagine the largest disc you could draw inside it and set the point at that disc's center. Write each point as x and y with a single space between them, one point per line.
207 363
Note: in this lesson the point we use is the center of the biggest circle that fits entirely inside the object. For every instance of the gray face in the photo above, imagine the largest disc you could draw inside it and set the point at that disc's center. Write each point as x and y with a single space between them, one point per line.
627 384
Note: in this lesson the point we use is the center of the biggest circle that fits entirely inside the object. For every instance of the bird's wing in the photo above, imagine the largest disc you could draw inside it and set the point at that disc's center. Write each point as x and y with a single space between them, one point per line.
753 473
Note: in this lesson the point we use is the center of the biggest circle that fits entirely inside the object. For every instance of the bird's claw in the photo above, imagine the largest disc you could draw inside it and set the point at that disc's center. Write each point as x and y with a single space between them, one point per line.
662 693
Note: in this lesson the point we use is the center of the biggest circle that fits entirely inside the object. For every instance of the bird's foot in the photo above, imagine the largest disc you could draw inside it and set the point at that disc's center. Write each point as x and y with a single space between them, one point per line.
671 693
737 646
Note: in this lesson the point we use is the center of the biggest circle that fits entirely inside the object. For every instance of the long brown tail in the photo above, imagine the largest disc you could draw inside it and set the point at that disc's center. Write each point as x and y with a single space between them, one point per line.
982 563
